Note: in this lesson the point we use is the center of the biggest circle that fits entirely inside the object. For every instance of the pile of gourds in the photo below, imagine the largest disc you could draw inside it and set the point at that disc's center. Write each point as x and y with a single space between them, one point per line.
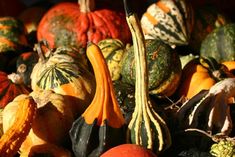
86 79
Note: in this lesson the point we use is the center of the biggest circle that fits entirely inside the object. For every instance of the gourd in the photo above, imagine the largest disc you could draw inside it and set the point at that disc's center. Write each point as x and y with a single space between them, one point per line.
219 44
102 125
24 65
128 150
113 51
146 128
63 71
12 35
223 147
51 124
164 68
14 136
206 19
164 20
61 25
11 85
200 74
209 110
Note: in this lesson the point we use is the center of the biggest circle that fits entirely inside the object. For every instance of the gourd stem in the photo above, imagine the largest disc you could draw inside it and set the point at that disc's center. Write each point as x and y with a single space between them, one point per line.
38 48
86 5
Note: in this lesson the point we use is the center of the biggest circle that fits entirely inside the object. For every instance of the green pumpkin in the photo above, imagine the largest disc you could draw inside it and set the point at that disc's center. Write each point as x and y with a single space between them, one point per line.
164 68
220 44
12 35
113 50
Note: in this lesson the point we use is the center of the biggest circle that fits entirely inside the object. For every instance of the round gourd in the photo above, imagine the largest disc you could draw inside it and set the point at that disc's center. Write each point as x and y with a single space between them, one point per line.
12 35
165 20
113 50
164 68
128 150
63 71
206 19
75 24
220 44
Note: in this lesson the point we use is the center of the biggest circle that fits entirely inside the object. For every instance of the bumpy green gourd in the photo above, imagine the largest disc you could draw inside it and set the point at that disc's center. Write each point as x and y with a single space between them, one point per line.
224 148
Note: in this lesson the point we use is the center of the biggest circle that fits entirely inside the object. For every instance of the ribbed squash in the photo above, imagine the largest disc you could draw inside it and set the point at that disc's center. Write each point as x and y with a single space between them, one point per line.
11 85
219 44
164 68
102 125
75 24
113 51
51 124
15 135
12 35
64 72
146 128
164 20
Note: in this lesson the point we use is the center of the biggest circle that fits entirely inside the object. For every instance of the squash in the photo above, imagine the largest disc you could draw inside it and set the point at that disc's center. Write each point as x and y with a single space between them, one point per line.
24 65
61 25
15 135
128 150
13 35
113 51
164 68
11 85
146 128
52 121
230 65
200 74
91 134
206 19
63 71
219 44
164 20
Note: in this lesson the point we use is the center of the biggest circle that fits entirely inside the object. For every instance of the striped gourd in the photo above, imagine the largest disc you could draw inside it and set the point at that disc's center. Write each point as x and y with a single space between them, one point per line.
12 34
64 72
164 20
146 127
113 50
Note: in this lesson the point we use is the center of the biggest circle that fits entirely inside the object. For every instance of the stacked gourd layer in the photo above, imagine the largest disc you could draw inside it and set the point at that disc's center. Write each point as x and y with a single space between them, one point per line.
87 81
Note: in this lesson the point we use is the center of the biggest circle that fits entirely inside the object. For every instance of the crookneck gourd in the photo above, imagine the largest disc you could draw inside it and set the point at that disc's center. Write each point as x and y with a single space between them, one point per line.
15 135
209 110
146 128
102 125
64 71
51 124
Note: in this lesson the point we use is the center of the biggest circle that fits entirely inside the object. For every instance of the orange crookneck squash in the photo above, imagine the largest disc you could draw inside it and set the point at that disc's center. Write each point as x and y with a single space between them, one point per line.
52 120
74 24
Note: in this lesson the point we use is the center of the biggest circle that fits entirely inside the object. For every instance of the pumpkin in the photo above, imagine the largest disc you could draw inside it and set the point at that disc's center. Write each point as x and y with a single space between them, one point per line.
164 68
113 51
219 44
206 19
230 65
146 128
200 74
24 65
61 25
12 35
102 125
11 85
128 150
63 70
164 20
52 121
15 135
